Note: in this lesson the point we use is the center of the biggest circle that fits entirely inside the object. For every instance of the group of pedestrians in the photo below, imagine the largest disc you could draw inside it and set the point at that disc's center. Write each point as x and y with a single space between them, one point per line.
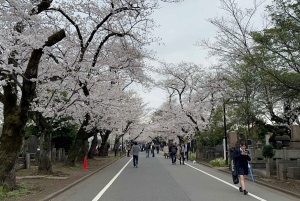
241 157
150 148
175 152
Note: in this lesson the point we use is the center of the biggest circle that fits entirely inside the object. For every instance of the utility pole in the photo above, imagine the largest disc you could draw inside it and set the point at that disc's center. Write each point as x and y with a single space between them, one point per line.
122 144
225 133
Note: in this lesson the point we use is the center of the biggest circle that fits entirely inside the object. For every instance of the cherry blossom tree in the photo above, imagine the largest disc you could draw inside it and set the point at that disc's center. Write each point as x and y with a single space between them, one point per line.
21 53
191 99
82 40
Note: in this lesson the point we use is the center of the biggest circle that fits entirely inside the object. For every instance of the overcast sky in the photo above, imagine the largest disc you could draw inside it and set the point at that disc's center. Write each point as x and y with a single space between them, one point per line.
181 26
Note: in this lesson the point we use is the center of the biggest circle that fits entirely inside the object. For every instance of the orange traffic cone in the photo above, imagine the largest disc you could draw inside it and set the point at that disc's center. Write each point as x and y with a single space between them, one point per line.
84 166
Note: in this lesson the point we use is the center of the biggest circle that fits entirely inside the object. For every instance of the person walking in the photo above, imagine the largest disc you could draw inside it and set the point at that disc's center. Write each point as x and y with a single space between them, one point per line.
166 151
147 148
186 150
173 151
128 148
153 150
178 151
181 154
135 154
241 157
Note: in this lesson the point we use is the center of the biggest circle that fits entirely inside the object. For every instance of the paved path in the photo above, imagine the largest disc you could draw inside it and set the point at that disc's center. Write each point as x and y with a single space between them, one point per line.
157 179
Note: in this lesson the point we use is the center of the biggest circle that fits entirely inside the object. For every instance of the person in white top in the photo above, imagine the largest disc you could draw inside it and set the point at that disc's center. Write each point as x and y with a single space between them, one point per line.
166 151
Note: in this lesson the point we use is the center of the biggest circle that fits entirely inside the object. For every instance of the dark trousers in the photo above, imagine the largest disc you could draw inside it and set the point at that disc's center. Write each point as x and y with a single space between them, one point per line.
181 158
153 153
173 157
135 160
187 155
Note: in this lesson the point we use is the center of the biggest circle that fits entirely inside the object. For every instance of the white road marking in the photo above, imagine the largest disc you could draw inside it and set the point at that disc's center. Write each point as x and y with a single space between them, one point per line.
261 199
110 183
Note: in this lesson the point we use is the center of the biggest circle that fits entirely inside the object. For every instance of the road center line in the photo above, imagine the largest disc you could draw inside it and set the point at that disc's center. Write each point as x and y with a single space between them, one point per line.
258 198
110 183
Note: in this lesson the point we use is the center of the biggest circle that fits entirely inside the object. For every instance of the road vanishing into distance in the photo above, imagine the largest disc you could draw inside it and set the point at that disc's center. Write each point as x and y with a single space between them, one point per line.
156 179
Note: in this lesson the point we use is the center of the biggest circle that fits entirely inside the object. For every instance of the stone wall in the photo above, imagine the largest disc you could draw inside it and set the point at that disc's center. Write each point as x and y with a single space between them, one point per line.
285 163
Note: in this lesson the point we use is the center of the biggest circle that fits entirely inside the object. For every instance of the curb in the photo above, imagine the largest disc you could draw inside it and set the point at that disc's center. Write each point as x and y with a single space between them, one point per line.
261 183
53 195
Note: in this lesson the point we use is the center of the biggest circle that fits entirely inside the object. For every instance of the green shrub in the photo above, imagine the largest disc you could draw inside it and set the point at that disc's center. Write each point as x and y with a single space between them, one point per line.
15 194
268 151
219 162
192 156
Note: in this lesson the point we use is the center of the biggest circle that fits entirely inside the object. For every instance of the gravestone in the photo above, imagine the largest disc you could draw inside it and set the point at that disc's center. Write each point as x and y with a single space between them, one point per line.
295 133
232 138
37 157
32 144
53 157
295 137
267 137
59 154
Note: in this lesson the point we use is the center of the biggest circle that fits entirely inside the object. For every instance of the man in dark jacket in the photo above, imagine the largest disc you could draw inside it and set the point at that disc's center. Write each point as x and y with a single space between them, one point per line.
241 157
147 148
153 150
173 151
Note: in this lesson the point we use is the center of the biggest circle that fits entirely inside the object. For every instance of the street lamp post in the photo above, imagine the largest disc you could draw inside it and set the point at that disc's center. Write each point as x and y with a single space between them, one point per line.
122 143
225 132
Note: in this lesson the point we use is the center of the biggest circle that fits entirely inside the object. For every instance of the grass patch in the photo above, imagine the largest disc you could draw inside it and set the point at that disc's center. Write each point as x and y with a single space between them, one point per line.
21 191
192 156
112 155
218 162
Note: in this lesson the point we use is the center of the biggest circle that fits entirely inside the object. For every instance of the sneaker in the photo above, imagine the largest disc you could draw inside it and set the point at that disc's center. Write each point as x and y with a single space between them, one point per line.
245 192
136 166
240 189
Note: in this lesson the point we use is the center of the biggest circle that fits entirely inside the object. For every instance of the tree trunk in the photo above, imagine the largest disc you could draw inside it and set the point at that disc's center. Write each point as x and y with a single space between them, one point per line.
45 166
83 151
75 149
104 137
77 145
16 116
11 143
117 144
93 146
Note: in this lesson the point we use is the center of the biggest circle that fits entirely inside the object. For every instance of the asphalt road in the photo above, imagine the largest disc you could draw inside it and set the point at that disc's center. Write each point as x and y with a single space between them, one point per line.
157 179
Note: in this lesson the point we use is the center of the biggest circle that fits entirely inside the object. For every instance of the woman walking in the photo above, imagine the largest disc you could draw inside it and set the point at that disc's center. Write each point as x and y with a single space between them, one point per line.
166 151
241 158
181 154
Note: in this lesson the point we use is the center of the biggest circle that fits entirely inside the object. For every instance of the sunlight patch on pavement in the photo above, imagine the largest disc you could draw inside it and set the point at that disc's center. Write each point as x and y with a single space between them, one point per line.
225 182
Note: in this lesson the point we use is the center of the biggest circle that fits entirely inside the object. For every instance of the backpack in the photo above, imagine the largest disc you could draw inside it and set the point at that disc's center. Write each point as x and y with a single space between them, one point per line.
182 149
173 149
